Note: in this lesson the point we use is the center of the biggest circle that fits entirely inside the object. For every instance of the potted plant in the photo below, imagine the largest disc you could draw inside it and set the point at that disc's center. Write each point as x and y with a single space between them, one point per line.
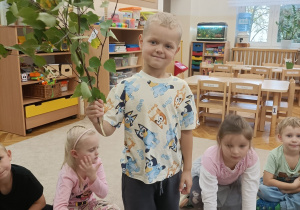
54 23
288 26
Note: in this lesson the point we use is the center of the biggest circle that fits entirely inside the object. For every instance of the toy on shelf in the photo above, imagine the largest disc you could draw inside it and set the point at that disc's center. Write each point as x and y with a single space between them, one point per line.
135 14
36 76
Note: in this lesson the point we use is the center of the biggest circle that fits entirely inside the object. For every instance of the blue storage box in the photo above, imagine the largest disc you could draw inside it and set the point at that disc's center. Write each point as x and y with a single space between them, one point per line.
197 46
196 67
131 45
112 47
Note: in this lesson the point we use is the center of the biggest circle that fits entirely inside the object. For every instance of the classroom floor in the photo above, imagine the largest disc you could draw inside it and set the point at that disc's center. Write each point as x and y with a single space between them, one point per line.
206 130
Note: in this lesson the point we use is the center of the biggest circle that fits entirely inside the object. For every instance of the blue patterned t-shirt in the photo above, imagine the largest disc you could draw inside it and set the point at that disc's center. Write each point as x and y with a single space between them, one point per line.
155 110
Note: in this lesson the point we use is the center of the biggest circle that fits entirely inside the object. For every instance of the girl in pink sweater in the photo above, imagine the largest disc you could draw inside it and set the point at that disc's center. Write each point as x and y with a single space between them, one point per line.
227 175
82 173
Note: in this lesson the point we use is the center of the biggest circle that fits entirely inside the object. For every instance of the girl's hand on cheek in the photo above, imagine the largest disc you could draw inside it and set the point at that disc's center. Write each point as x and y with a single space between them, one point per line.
86 165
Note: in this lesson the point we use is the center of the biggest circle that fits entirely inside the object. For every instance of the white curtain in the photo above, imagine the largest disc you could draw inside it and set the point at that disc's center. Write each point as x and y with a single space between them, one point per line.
3 9
239 3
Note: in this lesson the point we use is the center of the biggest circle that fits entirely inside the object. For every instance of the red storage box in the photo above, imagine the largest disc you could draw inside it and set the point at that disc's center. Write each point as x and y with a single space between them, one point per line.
179 68
133 49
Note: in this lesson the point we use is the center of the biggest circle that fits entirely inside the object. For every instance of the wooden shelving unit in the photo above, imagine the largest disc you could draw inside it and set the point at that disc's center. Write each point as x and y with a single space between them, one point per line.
199 52
13 104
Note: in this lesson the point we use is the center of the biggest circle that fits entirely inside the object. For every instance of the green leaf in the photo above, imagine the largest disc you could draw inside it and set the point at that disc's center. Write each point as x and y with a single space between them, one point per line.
60 4
73 27
92 18
15 47
84 46
105 25
86 93
39 60
14 9
110 33
92 69
10 18
80 70
28 13
110 65
95 43
74 46
3 51
73 17
85 3
48 19
36 24
83 25
104 4
77 91
75 59
94 62
86 79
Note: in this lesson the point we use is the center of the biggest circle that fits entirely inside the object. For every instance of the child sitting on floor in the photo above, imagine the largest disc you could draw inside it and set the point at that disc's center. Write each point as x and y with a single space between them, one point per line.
82 173
19 189
227 175
280 182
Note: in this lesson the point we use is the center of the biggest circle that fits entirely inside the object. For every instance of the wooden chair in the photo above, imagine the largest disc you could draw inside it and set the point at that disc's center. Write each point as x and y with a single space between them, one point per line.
222 68
274 75
204 104
235 62
285 108
267 72
251 76
295 74
220 74
296 66
236 106
271 64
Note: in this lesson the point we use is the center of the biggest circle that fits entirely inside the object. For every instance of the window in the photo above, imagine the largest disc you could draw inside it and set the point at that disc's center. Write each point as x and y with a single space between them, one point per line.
263 28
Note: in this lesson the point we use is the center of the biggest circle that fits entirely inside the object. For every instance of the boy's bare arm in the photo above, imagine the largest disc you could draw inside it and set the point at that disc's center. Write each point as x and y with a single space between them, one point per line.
39 204
269 180
186 149
94 111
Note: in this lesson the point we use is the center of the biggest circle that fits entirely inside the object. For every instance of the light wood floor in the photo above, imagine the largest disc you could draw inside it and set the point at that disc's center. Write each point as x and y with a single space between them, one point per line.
206 130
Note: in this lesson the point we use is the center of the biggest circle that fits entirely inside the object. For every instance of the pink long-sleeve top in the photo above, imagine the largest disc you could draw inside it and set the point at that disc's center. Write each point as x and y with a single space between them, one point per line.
68 190
213 171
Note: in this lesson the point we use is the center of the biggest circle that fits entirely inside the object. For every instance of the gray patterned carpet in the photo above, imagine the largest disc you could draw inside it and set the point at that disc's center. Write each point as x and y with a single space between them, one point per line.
43 155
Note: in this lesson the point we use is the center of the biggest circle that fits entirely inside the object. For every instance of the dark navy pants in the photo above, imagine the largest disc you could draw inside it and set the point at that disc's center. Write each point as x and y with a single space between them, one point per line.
162 195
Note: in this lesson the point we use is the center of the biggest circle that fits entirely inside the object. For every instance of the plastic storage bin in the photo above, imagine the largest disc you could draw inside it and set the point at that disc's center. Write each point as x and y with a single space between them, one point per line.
112 47
64 85
133 61
198 47
118 61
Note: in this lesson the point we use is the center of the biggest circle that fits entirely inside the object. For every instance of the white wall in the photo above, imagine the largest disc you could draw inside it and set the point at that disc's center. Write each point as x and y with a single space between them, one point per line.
191 12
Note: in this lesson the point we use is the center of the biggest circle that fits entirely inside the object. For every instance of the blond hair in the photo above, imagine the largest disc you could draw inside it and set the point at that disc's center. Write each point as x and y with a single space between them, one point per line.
234 124
3 147
164 19
294 122
72 138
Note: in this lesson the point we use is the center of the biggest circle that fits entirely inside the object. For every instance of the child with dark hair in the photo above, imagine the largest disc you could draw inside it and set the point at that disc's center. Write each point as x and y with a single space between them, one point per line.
226 176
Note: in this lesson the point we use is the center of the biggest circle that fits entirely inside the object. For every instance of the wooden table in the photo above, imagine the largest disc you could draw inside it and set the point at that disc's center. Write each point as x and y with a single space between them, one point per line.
246 68
274 86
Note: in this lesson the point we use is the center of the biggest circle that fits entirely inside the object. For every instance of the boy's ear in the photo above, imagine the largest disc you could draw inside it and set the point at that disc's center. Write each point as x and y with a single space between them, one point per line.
141 41
177 50
74 153
9 154
279 137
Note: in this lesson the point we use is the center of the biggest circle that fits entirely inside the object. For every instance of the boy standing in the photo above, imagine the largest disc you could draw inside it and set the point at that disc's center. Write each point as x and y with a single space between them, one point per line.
159 115
281 182
19 189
